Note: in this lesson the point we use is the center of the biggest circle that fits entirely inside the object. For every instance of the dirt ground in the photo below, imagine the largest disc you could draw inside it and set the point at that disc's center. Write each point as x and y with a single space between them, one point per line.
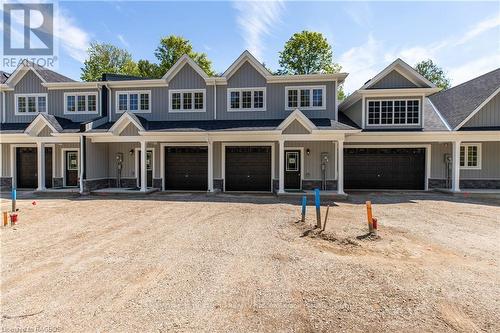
238 263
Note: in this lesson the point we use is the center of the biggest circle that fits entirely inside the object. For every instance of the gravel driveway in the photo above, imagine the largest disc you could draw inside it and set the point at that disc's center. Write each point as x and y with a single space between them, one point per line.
238 263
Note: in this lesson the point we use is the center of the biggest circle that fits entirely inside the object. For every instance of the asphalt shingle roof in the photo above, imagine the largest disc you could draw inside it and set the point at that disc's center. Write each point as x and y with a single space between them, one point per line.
457 103
3 76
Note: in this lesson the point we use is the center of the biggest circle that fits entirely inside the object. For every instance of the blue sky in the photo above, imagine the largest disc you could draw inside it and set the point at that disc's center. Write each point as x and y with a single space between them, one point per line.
462 37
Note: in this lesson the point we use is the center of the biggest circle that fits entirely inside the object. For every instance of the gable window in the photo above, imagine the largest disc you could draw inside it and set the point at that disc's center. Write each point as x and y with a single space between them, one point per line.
246 99
470 156
30 103
305 98
80 103
192 100
394 112
133 101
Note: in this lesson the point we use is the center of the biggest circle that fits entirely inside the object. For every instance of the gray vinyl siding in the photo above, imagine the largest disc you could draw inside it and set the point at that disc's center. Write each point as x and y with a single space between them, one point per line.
394 98
128 166
30 83
393 80
312 162
217 147
5 163
98 157
355 112
295 128
45 132
248 77
490 162
487 116
130 130
186 78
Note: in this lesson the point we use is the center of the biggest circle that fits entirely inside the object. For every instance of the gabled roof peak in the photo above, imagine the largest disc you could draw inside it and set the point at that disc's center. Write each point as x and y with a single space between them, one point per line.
246 56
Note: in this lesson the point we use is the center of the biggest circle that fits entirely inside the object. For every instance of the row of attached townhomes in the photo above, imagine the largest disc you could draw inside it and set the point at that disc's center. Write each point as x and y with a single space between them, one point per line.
247 131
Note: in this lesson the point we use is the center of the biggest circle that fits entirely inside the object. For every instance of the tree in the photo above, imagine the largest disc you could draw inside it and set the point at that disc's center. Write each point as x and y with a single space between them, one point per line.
107 58
173 47
434 73
148 69
307 52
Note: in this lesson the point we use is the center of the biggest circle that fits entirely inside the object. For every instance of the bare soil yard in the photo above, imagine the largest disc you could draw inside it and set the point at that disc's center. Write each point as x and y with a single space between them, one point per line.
238 263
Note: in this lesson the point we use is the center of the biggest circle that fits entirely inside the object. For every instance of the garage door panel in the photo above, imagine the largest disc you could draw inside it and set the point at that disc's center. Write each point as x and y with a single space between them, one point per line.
387 168
186 168
248 169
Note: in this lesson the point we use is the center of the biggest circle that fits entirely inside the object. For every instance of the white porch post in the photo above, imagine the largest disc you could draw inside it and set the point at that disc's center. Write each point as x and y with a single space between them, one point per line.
281 163
210 166
40 148
455 171
144 173
340 166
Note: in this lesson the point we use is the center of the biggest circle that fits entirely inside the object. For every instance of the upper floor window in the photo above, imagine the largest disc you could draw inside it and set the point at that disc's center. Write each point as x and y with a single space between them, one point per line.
80 103
470 156
246 99
133 101
30 103
187 100
312 98
394 112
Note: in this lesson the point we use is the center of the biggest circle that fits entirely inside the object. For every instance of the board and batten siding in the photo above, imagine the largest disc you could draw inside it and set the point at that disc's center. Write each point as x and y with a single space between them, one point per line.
487 116
490 161
97 156
393 80
355 112
30 83
312 162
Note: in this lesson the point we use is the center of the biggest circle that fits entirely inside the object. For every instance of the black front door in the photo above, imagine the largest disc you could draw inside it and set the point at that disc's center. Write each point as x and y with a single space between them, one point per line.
48 167
292 169
384 168
71 168
26 168
149 168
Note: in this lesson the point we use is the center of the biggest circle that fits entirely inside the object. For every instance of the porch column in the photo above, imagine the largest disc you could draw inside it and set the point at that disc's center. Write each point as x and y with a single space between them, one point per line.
210 166
281 188
40 148
340 167
144 173
455 169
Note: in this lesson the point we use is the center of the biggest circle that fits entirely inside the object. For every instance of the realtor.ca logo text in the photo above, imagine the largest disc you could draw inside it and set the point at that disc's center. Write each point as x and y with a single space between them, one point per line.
28 33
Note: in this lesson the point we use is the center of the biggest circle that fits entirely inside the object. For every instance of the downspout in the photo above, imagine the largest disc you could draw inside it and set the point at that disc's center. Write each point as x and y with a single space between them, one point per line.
215 101
83 159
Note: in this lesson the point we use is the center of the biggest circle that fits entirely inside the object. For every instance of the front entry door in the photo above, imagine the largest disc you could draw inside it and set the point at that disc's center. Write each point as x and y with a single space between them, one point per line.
292 170
71 171
149 168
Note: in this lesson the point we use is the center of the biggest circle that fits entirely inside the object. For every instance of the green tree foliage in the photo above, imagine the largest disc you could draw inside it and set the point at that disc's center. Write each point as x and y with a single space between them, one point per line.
434 73
308 52
107 58
149 70
173 47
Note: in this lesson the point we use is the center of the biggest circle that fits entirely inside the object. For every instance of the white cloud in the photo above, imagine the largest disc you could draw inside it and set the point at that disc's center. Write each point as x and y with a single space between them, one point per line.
360 12
72 39
123 40
479 28
474 68
256 20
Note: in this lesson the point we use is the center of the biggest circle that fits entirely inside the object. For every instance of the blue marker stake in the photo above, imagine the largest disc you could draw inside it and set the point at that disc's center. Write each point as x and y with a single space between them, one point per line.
304 203
317 202
14 197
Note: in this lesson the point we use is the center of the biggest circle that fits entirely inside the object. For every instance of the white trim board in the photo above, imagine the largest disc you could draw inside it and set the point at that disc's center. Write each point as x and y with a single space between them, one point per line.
13 160
137 162
63 164
476 110
302 157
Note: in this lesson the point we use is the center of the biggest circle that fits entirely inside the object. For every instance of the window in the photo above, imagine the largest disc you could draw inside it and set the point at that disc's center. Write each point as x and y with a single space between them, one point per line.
133 101
80 103
72 160
394 112
30 103
470 156
246 99
292 161
308 98
187 100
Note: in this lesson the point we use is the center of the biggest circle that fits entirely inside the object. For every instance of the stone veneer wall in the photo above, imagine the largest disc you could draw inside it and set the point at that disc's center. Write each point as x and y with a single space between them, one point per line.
218 185
490 184
5 183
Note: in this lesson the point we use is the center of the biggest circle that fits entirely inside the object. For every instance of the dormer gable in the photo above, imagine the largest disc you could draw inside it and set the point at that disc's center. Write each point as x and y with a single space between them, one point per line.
296 123
178 66
123 123
246 57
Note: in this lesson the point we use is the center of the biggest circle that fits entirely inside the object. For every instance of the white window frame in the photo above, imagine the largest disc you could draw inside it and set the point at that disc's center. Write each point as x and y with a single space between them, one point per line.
192 109
367 109
128 93
86 94
310 88
36 103
479 154
252 108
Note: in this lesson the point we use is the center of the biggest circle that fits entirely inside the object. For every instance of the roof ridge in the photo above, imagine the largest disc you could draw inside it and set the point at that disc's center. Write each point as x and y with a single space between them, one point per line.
468 81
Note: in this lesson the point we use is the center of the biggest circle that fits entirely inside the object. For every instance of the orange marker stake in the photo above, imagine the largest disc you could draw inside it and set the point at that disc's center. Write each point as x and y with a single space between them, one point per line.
369 215
5 219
